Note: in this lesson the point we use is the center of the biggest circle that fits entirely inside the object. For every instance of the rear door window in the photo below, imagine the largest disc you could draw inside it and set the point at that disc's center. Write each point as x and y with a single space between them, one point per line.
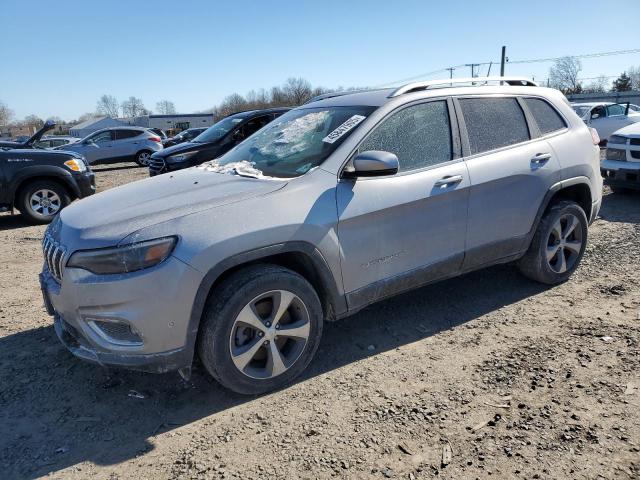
420 136
124 134
545 115
493 123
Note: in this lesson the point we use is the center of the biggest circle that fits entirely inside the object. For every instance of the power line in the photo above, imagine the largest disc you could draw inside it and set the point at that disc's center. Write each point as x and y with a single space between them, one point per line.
533 60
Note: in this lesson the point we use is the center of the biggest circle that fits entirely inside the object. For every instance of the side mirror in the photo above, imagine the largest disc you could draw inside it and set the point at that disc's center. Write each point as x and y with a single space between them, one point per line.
373 163
595 115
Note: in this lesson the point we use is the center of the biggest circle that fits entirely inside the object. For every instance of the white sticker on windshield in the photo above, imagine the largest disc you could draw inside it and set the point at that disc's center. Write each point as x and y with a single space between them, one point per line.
344 128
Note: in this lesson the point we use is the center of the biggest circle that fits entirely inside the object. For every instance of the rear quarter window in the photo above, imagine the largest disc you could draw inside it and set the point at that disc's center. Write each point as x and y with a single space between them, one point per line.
545 115
493 123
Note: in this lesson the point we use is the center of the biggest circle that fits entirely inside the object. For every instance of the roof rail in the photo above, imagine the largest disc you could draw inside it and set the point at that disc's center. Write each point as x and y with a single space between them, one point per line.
476 81
324 96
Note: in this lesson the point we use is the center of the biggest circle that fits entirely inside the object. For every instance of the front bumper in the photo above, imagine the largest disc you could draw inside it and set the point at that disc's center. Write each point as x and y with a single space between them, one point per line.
86 183
155 303
620 174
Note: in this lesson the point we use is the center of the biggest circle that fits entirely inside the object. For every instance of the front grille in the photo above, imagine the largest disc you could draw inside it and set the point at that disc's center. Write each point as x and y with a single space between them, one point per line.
156 165
635 153
635 141
54 257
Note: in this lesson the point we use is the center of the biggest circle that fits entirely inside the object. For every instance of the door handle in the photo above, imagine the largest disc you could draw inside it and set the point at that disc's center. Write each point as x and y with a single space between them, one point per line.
540 158
448 181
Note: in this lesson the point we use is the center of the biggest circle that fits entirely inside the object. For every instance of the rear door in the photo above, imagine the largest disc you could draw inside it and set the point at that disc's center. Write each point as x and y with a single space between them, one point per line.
127 143
399 231
511 169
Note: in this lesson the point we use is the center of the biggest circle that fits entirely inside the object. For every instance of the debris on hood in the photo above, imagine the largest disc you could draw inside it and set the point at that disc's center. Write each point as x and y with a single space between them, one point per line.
243 168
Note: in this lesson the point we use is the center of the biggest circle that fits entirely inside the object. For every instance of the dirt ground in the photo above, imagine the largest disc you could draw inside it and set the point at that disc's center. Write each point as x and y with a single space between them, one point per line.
485 376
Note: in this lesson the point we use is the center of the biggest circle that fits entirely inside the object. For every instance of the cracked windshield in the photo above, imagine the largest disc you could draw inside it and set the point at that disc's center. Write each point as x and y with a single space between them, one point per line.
293 144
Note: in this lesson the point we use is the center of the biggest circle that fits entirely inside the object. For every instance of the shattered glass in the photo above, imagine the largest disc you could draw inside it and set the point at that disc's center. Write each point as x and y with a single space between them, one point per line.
493 123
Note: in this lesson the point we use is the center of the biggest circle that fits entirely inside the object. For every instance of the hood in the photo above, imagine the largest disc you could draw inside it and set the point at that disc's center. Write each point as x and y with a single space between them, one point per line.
106 218
183 148
48 125
632 130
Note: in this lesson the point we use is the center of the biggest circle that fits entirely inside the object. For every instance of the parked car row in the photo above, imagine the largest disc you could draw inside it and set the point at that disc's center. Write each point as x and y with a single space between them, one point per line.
607 117
330 207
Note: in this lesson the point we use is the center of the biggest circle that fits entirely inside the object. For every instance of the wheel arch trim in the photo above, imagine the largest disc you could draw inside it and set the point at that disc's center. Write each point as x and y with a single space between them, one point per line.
335 300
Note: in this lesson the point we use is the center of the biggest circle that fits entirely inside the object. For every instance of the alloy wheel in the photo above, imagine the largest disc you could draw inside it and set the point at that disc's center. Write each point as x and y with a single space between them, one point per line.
269 334
143 158
564 243
45 202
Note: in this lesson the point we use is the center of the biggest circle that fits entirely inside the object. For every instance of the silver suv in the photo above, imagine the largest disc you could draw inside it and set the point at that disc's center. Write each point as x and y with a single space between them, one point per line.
333 206
120 143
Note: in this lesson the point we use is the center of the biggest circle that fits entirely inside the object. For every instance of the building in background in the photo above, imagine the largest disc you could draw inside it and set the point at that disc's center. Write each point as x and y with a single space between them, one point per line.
174 123
83 129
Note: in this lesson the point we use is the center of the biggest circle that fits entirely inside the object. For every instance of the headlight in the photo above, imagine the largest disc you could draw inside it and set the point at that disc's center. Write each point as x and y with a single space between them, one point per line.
180 157
76 165
123 259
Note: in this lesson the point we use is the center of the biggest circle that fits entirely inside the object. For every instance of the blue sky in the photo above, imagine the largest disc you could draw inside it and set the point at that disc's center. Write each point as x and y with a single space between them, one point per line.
59 57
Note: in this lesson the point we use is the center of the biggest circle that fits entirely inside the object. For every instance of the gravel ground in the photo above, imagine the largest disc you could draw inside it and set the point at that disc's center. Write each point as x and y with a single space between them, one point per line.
485 376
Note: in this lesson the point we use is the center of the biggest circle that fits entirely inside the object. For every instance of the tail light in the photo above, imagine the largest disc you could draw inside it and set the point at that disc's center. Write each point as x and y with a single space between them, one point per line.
594 136
157 139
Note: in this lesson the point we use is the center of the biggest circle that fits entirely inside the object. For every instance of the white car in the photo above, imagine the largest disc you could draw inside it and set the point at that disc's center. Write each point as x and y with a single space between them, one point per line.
620 168
606 117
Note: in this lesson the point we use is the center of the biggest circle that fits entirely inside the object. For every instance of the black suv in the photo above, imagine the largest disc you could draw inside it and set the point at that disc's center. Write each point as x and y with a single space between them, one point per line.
40 183
213 142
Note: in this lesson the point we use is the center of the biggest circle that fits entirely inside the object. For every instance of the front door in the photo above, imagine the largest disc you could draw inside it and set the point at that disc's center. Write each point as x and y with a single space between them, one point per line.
99 146
400 231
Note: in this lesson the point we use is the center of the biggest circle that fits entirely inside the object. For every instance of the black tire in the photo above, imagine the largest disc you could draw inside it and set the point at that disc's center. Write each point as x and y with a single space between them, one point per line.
36 213
535 264
218 328
142 158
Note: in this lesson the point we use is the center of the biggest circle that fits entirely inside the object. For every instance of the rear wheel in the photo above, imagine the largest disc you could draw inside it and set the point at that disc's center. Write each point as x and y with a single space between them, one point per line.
558 244
260 329
40 201
142 158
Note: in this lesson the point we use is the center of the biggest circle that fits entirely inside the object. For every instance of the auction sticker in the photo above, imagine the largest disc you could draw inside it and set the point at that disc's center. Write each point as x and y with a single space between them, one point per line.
344 128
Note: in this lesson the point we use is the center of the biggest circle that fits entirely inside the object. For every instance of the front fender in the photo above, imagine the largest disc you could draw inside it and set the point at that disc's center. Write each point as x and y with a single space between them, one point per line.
43 171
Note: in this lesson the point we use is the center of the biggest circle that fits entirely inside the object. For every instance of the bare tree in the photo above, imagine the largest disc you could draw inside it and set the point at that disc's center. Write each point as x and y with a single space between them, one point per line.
563 75
108 105
33 121
6 114
133 107
86 116
634 75
297 90
599 85
165 107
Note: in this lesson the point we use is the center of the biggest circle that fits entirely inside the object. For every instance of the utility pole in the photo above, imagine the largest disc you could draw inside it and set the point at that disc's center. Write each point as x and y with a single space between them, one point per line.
473 68
503 60
451 69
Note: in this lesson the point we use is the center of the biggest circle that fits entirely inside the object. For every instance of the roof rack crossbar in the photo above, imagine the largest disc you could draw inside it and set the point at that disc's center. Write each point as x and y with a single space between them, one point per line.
477 81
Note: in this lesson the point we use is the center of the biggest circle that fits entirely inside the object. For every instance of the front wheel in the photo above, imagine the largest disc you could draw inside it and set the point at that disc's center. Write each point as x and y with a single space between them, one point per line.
260 329
558 244
142 158
40 201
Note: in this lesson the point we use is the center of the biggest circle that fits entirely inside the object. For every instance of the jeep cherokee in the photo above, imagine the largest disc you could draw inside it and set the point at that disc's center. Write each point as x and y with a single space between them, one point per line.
337 204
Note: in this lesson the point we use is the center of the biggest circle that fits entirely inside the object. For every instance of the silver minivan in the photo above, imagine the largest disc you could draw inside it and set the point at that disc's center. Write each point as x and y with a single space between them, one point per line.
118 144
331 207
